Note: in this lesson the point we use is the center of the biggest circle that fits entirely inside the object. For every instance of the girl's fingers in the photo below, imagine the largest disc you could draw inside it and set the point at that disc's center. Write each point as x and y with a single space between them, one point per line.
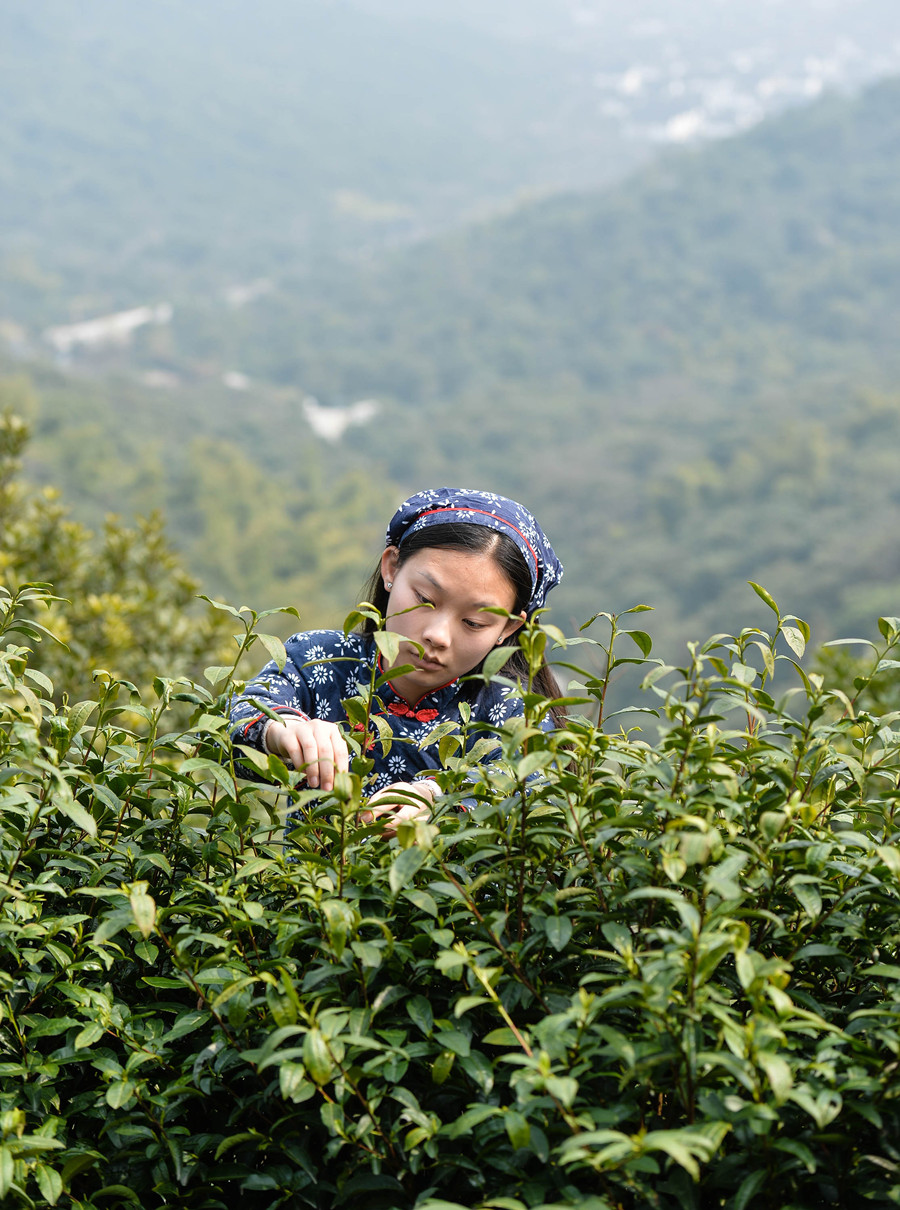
409 811
401 801
396 793
332 753
309 756
377 809
320 745
340 750
314 745
321 750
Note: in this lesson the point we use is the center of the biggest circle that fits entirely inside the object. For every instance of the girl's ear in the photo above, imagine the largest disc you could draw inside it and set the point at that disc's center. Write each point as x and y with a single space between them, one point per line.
512 625
389 566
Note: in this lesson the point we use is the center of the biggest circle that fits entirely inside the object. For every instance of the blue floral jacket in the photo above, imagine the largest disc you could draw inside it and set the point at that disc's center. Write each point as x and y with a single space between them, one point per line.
325 666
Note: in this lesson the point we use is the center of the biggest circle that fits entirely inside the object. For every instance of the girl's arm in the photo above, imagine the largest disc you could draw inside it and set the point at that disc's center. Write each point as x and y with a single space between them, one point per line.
305 694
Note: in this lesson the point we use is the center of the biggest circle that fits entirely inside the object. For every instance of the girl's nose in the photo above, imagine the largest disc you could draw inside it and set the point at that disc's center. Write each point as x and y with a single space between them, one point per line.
437 628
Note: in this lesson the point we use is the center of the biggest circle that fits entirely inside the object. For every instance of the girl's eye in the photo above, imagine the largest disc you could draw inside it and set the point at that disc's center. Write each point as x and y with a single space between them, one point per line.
422 599
475 625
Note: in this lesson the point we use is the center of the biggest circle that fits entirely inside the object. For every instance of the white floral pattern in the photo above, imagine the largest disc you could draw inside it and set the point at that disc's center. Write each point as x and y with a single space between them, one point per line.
397 766
320 672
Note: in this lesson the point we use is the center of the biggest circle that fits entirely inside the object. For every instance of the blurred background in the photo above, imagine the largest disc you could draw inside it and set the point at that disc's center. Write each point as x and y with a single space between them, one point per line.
270 266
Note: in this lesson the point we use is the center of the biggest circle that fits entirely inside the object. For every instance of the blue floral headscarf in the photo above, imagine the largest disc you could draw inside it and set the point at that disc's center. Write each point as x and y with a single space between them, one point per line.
443 505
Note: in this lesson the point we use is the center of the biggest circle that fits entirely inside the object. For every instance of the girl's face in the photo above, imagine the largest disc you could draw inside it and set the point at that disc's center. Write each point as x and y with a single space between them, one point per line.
446 591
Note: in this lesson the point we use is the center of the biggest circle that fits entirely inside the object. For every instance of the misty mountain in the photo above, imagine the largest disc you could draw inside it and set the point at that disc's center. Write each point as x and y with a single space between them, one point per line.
690 377
775 253
146 147
152 151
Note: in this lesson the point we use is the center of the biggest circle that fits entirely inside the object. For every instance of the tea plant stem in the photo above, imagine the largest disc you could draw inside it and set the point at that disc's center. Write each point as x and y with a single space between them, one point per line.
360 1096
586 849
493 938
523 838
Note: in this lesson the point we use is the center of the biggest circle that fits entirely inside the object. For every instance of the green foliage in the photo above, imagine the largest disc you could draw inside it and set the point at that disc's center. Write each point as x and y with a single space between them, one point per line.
629 974
131 609
302 535
865 671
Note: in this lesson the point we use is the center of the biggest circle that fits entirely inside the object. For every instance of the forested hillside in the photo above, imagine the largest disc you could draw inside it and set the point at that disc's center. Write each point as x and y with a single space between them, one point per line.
691 379
169 147
769 255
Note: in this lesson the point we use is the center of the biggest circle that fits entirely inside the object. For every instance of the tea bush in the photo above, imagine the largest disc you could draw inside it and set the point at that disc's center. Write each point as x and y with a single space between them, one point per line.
619 969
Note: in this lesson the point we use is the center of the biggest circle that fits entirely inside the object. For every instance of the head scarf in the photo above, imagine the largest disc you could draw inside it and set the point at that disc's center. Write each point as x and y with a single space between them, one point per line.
443 505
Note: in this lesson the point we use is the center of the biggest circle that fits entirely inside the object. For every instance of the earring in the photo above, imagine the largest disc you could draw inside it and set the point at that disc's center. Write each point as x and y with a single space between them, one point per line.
389 584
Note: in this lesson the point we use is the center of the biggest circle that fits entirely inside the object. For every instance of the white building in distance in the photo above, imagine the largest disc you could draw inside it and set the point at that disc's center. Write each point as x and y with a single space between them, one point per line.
116 329
331 423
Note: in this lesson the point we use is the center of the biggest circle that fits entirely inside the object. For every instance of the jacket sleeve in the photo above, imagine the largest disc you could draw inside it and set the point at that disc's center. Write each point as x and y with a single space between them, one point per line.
284 692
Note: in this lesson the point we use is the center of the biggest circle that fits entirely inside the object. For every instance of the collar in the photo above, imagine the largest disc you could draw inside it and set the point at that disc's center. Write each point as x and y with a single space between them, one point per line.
435 699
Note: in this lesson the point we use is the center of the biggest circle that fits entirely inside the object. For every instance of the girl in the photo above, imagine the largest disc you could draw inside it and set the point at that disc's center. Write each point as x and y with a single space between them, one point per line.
450 555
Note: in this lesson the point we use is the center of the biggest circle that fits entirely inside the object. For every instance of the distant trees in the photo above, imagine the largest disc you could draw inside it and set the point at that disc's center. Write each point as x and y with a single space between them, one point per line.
255 506
691 378
131 608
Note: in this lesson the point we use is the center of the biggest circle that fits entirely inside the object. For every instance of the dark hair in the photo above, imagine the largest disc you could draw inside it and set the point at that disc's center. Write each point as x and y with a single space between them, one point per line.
474 539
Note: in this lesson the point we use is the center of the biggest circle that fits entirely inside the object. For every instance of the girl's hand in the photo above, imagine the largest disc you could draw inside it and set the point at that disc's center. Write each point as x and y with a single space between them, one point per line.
402 800
312 743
